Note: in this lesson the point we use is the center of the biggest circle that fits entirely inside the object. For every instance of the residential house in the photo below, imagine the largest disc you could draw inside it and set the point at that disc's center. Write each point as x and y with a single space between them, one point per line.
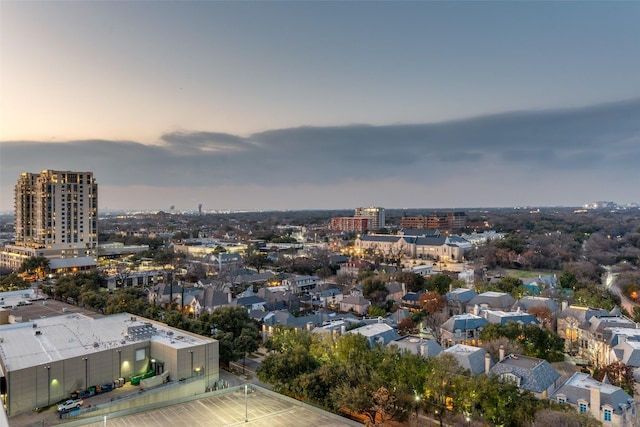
300 284
251 302
490 301
627 351
527 303
418 345
503 317
462 329
609 404
457 300
377 333
279 300
330 297
208 300
528 373
476 360
396 291
599 337
352 268
572 326
411 301
356 304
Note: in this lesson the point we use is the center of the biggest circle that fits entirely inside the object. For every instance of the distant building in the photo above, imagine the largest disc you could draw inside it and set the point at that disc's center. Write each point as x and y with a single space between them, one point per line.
435 221
375 216
349 224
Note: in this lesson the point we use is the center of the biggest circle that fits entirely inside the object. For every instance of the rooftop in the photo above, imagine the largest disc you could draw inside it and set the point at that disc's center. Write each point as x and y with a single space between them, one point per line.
62 337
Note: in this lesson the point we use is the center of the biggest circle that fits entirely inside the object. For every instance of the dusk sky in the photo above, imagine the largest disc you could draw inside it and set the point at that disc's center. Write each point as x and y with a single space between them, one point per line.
324 105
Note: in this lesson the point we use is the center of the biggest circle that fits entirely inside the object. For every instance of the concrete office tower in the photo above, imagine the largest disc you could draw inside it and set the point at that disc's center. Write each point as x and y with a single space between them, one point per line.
57 211
374 215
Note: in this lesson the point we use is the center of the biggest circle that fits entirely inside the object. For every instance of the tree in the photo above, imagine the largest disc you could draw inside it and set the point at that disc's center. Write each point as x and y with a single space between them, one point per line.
439 283
619 375
37 266
257 260
374 289
432 302
407 326
235 331
543 314
412 281
13 282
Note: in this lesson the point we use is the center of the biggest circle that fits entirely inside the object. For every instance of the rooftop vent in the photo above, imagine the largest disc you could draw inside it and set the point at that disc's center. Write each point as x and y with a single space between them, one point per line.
38 332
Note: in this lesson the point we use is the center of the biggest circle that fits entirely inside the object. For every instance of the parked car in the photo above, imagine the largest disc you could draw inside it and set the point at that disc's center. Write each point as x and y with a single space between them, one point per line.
69 405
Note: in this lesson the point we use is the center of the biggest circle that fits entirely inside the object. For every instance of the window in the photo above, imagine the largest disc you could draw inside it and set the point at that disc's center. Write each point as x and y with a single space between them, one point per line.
607 414
561 399
583 407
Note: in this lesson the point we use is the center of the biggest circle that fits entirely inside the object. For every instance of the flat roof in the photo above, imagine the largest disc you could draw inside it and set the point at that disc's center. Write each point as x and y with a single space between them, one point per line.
72 335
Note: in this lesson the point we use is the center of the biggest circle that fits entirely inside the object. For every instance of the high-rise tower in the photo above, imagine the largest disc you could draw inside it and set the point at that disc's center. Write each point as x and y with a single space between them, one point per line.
58 211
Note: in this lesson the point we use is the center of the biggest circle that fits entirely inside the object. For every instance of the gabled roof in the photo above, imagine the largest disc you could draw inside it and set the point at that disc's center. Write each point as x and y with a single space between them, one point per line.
536 375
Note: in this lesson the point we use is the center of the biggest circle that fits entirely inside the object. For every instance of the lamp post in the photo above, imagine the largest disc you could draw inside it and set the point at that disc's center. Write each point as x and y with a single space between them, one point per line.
246 403
48 368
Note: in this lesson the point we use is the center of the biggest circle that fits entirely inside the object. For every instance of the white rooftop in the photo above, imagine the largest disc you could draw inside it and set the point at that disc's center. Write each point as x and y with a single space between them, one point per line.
586 381
462 349
371 330
62 337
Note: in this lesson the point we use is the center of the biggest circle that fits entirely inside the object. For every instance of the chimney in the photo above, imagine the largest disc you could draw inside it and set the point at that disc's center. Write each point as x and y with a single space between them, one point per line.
594 400
487 363
476 310
564 305
501 351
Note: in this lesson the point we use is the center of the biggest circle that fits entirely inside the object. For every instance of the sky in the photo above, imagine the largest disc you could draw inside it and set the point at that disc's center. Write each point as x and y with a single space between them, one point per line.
324 105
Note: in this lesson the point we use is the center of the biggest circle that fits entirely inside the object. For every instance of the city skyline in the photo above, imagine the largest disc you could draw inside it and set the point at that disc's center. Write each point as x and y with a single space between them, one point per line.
285 105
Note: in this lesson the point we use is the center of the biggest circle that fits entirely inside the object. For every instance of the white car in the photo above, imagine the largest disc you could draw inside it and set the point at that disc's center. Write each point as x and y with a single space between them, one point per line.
69 405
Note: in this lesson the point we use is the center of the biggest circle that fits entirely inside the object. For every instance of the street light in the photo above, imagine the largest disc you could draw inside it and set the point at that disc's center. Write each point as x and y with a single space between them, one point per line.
246 404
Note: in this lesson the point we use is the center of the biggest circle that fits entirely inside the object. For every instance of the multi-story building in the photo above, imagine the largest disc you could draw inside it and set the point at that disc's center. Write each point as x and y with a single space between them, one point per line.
349 224
56 216
435 221
374 215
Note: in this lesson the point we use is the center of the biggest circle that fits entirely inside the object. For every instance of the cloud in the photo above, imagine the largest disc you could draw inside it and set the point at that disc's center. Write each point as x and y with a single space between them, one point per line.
601 140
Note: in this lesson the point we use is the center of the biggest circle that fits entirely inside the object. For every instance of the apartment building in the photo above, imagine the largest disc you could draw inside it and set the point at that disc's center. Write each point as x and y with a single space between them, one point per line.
56 216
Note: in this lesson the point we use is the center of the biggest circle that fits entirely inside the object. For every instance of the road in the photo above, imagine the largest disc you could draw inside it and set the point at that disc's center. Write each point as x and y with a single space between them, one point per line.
609 281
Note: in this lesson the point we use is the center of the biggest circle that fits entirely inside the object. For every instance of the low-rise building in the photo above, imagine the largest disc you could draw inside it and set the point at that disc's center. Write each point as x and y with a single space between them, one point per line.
45 360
